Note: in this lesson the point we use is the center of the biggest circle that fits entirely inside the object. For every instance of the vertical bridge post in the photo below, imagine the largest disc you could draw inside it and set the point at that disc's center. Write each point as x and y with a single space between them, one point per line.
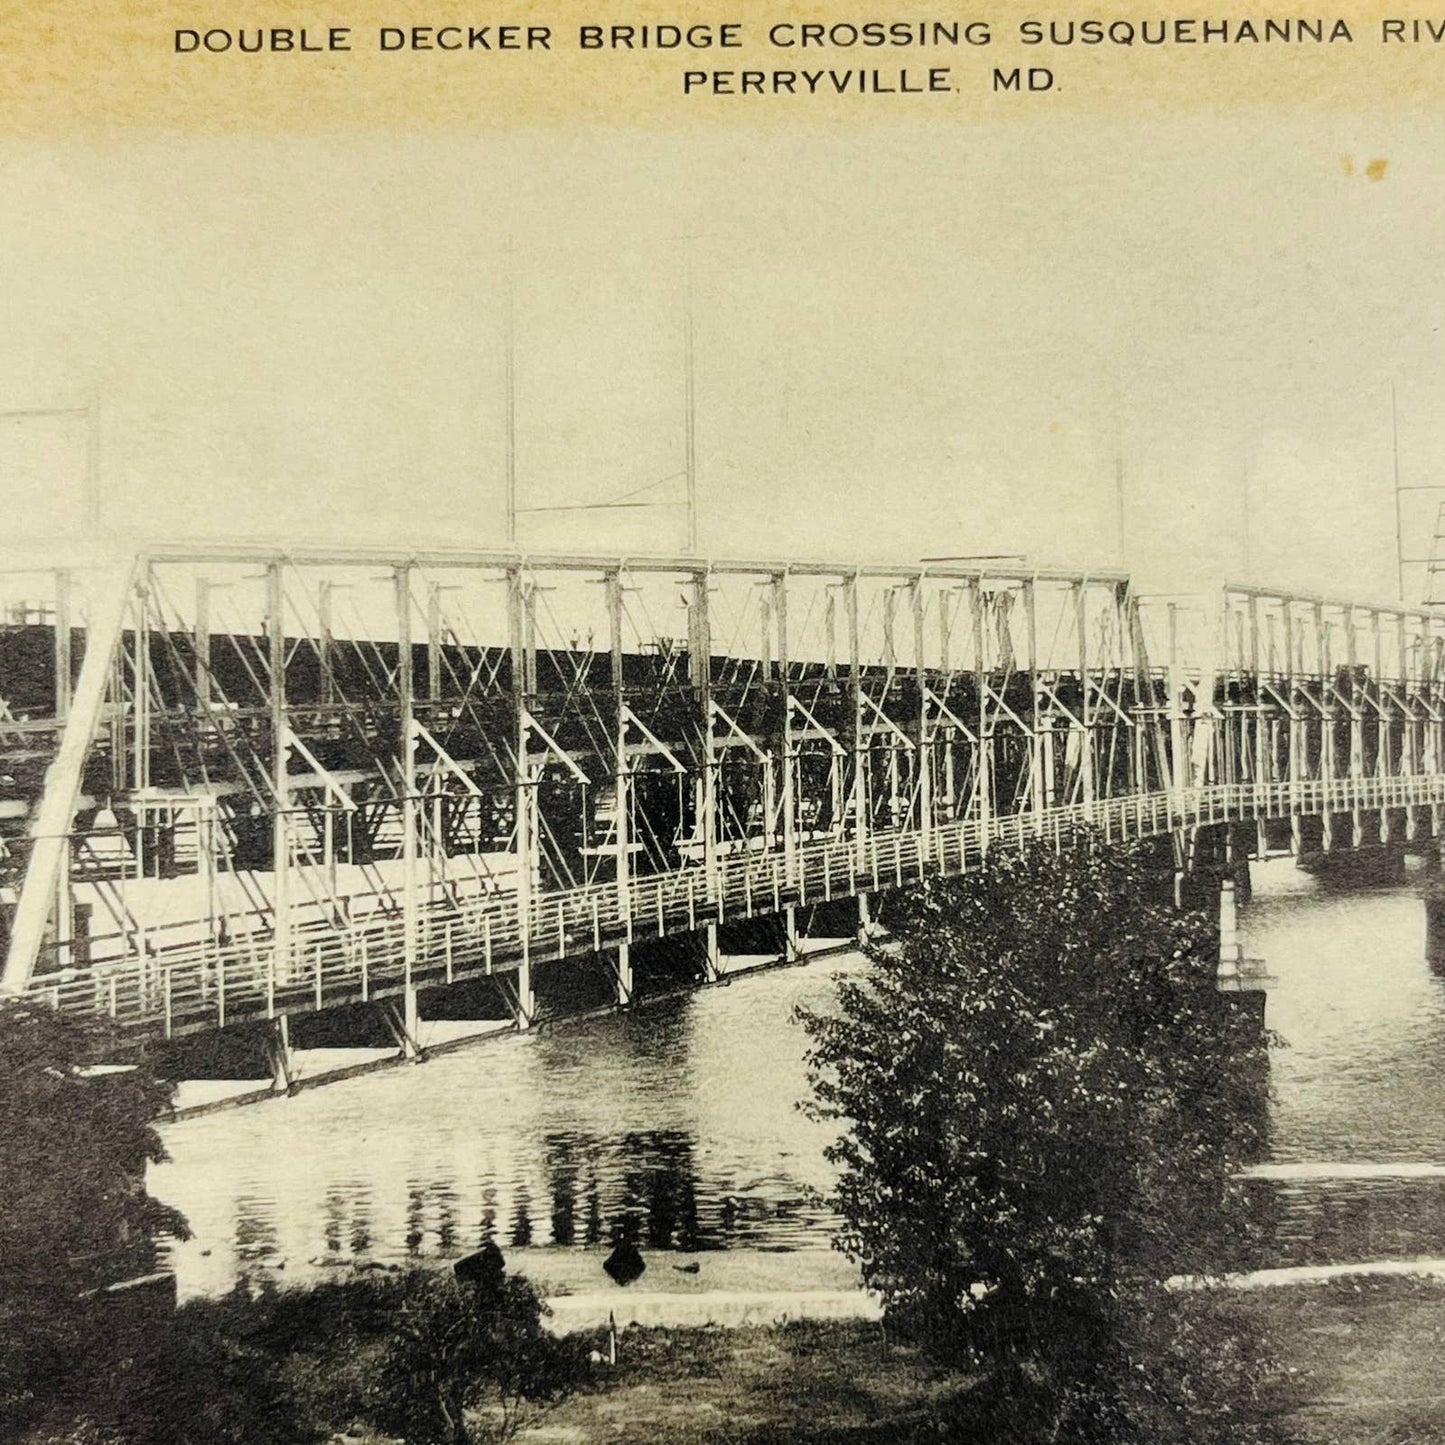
410 888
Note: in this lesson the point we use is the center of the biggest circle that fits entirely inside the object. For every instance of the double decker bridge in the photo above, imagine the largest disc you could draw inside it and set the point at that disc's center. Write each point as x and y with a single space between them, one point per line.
241 786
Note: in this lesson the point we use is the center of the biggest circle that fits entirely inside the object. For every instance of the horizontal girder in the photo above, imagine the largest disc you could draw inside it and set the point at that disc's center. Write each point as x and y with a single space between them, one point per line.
394 763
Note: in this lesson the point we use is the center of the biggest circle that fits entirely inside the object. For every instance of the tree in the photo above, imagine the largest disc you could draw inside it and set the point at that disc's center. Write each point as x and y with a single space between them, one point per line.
74 1143
466 1362
1043 1100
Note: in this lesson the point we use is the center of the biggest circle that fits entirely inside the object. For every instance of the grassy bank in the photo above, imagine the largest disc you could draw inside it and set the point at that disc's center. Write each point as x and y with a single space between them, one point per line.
815 1382
1358 1362
1361 1361
298 1365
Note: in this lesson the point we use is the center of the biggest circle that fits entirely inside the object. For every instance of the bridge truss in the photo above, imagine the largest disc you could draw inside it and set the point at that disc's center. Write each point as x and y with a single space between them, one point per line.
240 783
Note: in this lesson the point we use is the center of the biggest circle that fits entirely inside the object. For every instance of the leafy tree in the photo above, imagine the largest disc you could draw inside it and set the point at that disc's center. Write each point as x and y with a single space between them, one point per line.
1045 1100
469 1362
74 1144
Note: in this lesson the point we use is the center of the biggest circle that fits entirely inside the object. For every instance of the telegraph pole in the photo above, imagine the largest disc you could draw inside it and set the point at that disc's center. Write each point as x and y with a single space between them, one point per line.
689 404
1399 509
511 395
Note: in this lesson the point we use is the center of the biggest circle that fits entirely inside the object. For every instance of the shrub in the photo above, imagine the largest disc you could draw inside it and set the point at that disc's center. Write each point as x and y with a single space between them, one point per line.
1043 1098
469 1362
74 1144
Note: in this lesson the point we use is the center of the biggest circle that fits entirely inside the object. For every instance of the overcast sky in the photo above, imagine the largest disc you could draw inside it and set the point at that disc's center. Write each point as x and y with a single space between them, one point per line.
908 341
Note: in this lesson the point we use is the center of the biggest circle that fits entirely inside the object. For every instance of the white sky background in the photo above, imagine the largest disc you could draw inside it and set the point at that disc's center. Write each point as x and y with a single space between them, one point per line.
908 341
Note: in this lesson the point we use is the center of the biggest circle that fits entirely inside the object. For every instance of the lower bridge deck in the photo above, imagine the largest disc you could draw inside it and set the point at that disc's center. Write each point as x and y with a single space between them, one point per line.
195 988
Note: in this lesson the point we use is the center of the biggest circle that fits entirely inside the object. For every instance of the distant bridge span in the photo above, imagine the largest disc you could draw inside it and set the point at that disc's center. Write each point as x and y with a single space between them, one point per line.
243 784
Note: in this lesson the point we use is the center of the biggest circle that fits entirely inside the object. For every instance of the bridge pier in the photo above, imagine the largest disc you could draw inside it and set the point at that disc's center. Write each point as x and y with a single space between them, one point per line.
1237 848
1432 898
622 974
280 1056
403 1021
1212 873
867 929
522 997
1243 879
1240 994
1202 858
1231 950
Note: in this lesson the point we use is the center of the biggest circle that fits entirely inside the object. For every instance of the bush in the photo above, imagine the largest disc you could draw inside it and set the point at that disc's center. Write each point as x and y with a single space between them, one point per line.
415 1353
74 1145
1045 1100
469 1362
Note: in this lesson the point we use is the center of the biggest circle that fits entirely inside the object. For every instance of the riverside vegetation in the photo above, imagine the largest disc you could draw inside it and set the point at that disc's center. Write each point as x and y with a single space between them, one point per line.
1041 1103
1044 1103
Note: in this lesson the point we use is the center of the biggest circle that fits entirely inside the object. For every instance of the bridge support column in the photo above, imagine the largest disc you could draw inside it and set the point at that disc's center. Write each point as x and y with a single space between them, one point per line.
622 972
1241 996
403 1020
525 1006
280 1057
1242 879
792 949
712 955
1231 952
866 927
1200 863
1237 861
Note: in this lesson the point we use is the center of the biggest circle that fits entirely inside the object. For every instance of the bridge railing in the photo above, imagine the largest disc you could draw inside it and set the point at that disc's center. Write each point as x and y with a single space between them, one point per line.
197 986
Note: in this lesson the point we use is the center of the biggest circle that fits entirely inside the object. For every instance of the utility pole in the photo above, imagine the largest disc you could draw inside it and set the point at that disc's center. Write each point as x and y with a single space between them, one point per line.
1246 561
627 500
689 404
92 466
1431 561
511 394
1119 501
1399 510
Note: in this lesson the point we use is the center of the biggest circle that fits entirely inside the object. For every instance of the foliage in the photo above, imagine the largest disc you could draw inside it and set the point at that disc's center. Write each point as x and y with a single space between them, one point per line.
1045 1100
234 1379
469 1362
74 1144
404 1351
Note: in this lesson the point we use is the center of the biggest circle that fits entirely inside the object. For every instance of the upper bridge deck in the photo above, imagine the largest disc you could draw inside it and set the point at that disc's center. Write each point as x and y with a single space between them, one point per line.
240 780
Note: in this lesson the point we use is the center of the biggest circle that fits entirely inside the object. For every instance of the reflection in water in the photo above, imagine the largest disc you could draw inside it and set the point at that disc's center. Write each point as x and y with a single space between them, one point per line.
1362 1015
1360 1075
676 1126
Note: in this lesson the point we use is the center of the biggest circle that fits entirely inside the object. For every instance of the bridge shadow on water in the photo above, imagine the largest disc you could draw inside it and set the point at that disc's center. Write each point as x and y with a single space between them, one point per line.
674 1126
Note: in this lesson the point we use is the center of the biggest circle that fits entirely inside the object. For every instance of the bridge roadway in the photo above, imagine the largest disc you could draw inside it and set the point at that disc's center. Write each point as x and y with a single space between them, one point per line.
243 784
188 989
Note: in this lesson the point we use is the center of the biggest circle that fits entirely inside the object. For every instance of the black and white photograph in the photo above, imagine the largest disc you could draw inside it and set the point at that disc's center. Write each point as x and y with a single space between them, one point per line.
721 727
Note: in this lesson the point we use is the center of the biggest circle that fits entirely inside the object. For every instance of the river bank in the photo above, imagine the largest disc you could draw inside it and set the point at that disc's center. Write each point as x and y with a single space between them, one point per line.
1360 1362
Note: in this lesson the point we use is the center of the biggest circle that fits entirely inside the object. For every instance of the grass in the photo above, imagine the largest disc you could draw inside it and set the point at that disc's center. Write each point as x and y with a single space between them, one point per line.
820 1383
1361 1361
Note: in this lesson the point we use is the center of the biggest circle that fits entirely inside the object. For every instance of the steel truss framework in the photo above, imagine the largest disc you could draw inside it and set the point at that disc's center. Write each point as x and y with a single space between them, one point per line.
241 783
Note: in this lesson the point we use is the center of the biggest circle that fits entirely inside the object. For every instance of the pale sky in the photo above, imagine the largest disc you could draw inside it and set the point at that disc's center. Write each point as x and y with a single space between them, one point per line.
909 340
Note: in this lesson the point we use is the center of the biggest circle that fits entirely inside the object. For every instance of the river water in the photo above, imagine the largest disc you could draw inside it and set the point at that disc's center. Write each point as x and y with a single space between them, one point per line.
680 1121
